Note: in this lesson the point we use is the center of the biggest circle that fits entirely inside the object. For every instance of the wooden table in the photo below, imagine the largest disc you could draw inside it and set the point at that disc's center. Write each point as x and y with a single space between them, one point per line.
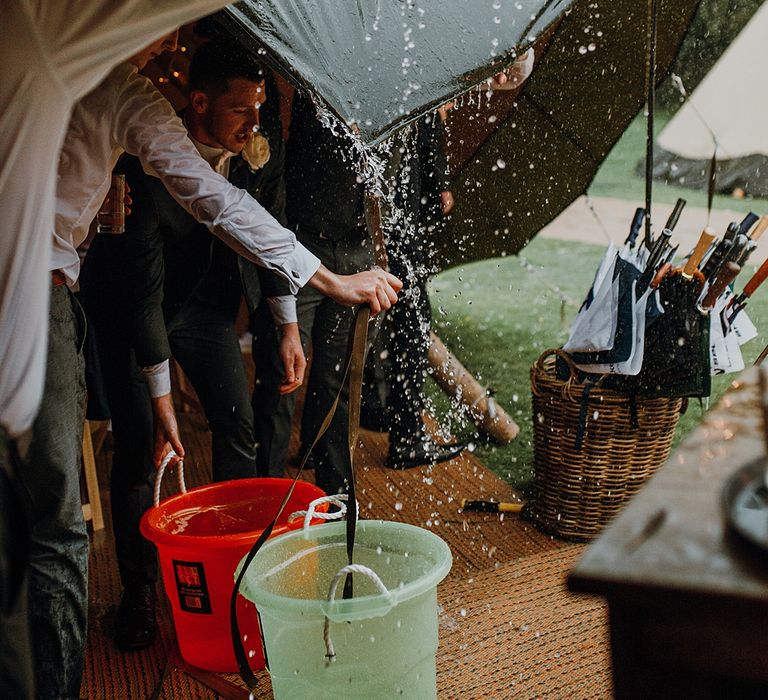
688 599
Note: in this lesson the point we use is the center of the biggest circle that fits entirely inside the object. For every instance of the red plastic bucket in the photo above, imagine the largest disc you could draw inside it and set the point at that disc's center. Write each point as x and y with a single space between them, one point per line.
201 536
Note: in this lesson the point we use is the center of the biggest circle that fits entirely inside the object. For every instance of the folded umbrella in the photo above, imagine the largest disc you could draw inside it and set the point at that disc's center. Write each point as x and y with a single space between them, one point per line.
594 327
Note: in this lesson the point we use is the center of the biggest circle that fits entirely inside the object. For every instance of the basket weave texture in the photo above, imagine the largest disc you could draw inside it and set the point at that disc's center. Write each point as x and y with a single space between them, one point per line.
591 454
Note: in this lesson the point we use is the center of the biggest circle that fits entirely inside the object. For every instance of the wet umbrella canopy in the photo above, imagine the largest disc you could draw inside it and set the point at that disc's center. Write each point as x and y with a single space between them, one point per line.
381 63
518 160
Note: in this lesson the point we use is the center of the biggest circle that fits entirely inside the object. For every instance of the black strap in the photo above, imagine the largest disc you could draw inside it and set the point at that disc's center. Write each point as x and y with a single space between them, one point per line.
650 90
581 429
358 348
353 365
711 182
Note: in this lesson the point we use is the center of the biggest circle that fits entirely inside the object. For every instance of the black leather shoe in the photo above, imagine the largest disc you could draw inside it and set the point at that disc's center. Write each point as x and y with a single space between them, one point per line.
135 624
407 456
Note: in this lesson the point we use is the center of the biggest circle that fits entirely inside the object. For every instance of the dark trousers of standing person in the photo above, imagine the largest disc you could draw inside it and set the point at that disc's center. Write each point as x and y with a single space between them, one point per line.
50 485
16 673
409 320
208 350
325 325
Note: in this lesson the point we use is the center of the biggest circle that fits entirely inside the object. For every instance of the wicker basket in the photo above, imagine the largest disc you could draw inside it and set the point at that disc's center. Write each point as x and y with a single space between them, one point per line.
593 448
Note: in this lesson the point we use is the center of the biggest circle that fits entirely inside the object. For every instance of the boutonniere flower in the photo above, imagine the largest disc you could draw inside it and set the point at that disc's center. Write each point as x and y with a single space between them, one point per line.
256 151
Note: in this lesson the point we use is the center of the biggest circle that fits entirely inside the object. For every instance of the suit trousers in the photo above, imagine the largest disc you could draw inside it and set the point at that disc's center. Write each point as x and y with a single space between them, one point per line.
208 350
325 326
409 320
50 485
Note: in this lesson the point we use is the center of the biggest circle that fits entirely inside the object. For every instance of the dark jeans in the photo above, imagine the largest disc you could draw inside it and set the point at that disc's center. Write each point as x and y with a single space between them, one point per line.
409 320
50 481
16 676
325 325
208 350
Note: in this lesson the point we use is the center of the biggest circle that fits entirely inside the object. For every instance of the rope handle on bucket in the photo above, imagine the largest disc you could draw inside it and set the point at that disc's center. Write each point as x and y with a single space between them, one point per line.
339 500
330 651
161 470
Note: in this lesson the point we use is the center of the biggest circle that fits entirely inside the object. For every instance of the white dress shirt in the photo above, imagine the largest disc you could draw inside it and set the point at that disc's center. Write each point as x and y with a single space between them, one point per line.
126 113
52 52
282 308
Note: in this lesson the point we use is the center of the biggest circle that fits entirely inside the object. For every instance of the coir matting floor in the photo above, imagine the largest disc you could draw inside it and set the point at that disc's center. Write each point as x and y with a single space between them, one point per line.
508 626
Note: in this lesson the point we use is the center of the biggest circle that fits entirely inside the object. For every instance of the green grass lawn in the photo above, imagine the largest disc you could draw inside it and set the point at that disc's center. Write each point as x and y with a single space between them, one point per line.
499 315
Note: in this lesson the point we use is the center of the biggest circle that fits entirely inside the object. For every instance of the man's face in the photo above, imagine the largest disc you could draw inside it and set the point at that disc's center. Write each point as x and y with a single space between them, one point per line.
228 119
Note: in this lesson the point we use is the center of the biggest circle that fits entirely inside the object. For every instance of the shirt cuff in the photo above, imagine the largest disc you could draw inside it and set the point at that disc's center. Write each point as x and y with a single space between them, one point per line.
158 378
283 309
300 265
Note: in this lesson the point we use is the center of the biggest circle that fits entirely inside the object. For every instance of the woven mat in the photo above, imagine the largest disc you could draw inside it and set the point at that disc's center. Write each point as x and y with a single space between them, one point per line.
516 632
507 577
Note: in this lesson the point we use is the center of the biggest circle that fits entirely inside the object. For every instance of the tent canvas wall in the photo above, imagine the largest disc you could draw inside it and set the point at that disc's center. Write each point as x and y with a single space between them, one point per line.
731 103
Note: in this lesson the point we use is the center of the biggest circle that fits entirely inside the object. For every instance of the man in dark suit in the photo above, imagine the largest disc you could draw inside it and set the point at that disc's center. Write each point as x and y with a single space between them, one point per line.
394 398
325 206
325 210
167 287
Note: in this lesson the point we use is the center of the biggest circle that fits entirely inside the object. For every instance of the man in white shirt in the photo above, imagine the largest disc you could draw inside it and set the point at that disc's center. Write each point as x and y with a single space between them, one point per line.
126 113
166 287
52 52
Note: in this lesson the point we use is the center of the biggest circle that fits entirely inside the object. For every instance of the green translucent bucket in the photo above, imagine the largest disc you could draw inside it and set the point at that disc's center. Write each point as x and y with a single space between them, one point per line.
384 643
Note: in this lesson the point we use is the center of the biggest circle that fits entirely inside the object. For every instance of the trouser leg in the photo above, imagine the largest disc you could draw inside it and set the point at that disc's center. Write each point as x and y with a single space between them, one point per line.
58 584
374 409
208 350
409 347
132 475
331 326
273 412
16 673
330 334
410 321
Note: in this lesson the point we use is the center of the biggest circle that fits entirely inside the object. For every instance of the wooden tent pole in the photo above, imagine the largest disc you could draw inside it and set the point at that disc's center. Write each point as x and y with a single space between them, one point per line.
457 382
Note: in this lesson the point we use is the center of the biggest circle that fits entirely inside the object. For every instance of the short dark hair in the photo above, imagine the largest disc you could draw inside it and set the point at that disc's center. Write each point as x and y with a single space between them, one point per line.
220 60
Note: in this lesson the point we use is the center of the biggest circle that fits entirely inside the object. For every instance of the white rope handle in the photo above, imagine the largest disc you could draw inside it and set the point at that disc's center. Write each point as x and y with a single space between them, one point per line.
161 470
338 500
330 652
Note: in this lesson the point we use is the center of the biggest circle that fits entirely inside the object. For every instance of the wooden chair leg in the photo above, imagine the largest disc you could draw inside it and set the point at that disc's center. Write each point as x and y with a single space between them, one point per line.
91 510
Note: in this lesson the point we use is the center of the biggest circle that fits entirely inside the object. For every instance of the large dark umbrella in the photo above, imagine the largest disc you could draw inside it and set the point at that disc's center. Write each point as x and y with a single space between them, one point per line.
519 159
382 63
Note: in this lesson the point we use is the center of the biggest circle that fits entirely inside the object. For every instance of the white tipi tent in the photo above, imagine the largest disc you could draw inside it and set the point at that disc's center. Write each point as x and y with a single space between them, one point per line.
731 103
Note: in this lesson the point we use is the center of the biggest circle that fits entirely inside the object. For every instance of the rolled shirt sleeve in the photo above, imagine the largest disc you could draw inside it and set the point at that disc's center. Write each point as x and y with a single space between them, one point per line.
147 127
158 378
283 309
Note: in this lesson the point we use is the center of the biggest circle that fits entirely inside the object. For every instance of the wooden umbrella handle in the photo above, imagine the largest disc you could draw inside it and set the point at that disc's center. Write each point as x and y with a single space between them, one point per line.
705 240
757 279
726 276
660 275
760 228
